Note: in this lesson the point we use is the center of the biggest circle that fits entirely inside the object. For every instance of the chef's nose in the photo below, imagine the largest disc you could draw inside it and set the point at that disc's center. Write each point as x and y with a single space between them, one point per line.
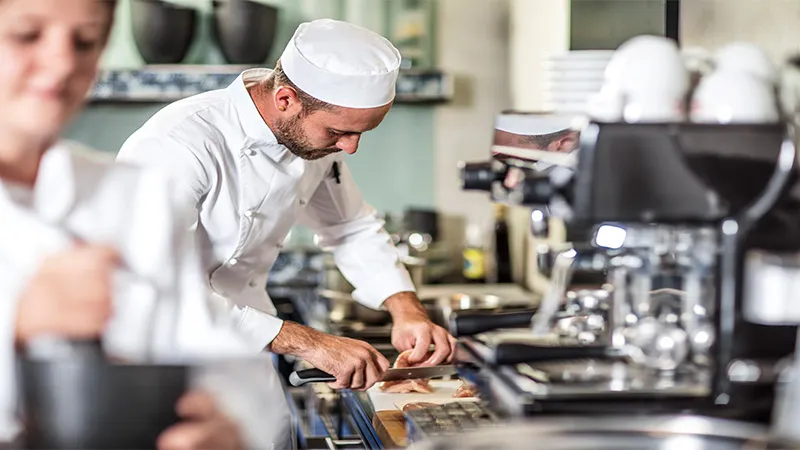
349 143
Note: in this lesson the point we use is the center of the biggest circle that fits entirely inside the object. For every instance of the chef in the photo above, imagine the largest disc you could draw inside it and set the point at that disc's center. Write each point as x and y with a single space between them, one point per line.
536 136
266 153
92 249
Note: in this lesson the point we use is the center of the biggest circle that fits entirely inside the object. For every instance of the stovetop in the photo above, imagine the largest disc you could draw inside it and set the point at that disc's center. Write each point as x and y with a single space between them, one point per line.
379 336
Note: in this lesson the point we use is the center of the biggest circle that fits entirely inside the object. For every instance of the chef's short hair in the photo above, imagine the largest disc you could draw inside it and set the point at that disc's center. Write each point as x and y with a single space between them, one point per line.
543 140
309 103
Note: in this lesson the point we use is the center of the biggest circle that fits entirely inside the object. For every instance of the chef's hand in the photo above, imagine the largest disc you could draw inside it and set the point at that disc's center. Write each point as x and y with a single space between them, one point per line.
355 364
204 427
69 296
412 328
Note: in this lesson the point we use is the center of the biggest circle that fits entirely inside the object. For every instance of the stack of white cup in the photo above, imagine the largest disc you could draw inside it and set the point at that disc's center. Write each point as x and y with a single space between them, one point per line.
649 79
741 89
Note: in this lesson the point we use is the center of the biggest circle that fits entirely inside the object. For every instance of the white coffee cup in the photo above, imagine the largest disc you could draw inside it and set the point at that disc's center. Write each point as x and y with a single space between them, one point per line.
607 105
649 66
654 108
744 57
734 97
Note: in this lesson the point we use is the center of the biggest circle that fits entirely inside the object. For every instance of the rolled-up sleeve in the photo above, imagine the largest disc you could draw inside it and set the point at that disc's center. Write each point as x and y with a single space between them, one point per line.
362 249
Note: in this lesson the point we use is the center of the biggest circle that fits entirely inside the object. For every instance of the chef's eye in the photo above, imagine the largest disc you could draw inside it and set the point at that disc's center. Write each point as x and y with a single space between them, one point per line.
85 45
25 37
87 42
335 133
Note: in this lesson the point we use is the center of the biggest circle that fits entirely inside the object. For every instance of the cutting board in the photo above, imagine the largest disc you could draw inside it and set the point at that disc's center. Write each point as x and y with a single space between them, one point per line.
443 391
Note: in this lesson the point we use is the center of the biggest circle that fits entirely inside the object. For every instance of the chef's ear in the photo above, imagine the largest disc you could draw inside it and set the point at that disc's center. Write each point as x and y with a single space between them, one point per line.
567 143
286 100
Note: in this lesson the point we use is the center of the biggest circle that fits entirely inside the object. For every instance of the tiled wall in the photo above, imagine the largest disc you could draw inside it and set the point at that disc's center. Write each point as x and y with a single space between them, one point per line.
395 165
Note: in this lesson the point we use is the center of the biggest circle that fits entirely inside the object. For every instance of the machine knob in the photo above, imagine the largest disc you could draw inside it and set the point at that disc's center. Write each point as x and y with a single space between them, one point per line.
478 176
537 191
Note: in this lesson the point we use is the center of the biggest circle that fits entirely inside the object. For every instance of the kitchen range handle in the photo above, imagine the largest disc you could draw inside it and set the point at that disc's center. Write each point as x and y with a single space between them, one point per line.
472 323
301 377
336 444
508 353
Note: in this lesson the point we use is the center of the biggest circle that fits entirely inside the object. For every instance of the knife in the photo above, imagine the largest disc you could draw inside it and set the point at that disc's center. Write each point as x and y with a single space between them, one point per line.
301 377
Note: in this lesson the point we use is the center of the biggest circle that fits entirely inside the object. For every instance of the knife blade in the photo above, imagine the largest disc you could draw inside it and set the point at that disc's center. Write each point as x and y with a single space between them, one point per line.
301 377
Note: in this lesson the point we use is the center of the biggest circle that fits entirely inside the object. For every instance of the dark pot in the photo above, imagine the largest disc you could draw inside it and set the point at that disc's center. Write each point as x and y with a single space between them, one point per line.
244 30
88 403
163 32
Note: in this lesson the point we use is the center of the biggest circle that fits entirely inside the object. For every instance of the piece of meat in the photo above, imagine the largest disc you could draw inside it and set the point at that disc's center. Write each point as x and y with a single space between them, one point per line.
417 405
466 391
406 386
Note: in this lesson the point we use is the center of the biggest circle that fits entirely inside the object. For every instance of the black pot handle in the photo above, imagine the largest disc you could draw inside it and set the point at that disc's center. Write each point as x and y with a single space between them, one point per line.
509 353
472 323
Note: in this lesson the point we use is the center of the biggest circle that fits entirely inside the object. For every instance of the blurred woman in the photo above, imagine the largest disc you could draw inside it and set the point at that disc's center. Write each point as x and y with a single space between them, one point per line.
94 250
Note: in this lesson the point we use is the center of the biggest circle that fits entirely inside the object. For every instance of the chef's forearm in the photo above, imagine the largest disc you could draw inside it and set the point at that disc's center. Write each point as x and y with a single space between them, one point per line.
294 339
403 305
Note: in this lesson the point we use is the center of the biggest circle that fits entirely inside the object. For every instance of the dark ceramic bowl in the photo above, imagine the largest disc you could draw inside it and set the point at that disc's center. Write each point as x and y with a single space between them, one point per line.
163 32
244 30
88 403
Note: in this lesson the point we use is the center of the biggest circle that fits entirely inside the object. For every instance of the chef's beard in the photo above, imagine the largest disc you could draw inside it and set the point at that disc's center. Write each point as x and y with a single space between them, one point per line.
290 133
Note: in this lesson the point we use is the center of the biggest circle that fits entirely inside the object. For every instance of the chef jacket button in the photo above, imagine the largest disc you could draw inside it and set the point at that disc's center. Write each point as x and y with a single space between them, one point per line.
233 262
302 201
253 283
249 152
249 213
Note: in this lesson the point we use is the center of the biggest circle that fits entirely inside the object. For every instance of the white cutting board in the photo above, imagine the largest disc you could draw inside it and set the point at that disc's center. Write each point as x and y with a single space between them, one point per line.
443 391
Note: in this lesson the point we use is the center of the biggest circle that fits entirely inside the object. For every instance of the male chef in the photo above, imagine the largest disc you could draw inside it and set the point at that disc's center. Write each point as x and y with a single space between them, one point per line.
268 152
544 139
544 133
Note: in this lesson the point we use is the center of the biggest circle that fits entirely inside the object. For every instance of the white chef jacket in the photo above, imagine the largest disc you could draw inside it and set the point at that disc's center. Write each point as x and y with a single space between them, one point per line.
132 209
249 191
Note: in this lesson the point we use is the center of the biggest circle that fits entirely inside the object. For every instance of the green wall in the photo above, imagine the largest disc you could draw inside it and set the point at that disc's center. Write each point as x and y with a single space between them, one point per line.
394 166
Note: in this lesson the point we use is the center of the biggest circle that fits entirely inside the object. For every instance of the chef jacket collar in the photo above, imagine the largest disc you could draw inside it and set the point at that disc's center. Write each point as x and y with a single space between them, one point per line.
54 193
258 134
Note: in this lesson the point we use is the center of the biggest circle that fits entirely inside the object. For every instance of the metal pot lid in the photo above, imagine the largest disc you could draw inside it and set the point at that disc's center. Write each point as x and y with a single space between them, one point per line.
460 302
671 432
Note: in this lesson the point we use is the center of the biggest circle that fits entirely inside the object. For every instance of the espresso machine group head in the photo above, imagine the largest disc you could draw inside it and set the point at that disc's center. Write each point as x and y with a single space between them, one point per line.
687 222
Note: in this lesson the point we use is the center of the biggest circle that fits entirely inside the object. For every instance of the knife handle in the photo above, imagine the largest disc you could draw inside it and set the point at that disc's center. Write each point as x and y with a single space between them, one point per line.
301 377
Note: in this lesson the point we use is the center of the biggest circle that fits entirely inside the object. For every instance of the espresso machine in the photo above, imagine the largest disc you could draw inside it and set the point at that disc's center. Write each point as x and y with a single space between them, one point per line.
688 228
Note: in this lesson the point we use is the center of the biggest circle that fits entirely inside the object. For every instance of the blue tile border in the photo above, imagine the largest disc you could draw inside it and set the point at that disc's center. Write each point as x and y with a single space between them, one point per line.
169 83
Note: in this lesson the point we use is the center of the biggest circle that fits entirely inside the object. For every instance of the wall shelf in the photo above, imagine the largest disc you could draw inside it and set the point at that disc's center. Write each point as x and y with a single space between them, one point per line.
163 84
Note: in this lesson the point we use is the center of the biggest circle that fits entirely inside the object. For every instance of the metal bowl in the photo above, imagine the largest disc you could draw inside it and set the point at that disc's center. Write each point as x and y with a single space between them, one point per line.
441 308
343 308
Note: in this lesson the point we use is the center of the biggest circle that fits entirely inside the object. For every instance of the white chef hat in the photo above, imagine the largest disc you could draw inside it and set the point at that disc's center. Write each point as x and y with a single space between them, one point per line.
342 64
534 124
